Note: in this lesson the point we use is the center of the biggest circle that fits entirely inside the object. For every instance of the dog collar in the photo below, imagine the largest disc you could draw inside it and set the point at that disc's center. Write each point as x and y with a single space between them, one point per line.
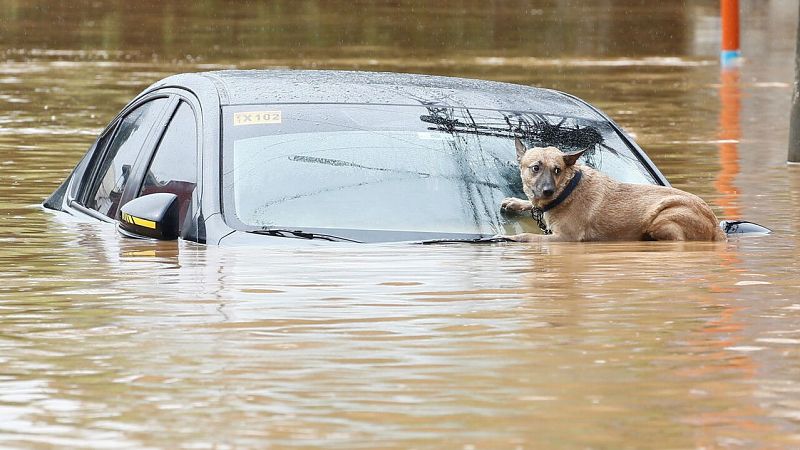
565 193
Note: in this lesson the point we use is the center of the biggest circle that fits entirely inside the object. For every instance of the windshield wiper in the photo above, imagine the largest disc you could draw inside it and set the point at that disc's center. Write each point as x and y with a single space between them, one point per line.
300 234
481 240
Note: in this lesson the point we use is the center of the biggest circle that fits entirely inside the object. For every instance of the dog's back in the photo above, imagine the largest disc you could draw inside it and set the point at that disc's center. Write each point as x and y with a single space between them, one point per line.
606 209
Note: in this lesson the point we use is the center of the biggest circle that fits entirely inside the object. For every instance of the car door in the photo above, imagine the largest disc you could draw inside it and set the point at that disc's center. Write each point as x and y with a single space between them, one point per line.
109 172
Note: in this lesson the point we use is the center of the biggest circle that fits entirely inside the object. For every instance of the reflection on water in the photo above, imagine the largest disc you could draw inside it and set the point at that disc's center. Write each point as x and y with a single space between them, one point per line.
729 135
108 342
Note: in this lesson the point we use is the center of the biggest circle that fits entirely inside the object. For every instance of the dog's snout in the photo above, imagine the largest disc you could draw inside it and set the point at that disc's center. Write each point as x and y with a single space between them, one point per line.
547 192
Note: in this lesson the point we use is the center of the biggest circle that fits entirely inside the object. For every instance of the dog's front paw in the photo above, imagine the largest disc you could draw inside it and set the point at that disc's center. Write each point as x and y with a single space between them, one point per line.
525 237
505 237
515 205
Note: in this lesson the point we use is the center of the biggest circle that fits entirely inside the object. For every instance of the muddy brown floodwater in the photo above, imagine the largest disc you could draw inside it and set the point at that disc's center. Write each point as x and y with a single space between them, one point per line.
114 343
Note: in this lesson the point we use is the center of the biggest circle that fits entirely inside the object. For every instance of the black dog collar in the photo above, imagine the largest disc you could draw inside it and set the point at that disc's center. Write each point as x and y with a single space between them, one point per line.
565 193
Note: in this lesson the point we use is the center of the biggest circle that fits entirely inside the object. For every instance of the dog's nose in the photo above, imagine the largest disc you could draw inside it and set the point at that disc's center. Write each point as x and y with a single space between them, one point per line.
547 193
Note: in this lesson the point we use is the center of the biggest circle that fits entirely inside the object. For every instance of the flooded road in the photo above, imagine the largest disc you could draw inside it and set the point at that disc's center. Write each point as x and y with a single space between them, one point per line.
114 343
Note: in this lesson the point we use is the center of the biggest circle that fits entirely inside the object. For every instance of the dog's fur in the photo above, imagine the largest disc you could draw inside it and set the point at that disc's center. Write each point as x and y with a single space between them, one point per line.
602 209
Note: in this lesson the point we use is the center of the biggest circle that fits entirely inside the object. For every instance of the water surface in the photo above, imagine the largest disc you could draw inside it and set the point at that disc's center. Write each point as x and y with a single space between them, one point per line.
114 343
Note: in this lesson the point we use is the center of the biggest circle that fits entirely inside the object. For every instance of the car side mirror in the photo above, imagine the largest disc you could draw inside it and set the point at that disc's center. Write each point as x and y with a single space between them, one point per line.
153 216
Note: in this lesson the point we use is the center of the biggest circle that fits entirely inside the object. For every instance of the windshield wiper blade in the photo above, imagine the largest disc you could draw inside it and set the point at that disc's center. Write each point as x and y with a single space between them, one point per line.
481 240
300 234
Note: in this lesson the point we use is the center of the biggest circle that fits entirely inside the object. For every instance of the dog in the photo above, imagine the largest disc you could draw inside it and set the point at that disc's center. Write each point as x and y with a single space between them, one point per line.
579 203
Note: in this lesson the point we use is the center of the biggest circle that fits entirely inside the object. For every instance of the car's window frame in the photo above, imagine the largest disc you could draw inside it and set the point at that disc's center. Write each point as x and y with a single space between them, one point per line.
79 192
92 176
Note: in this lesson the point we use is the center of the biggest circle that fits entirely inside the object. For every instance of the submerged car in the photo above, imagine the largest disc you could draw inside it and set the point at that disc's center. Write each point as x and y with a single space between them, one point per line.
249 157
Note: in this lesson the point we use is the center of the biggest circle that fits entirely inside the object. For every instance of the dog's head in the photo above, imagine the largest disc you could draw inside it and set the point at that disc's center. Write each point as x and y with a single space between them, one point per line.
544 170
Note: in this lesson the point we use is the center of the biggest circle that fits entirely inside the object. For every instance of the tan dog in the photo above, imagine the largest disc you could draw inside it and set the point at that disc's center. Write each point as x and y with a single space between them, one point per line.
582 204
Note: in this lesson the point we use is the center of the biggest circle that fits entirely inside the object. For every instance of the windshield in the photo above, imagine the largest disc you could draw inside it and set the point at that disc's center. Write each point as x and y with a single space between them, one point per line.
403 169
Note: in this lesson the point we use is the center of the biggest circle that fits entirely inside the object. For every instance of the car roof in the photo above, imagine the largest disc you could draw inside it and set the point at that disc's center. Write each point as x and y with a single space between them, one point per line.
239 87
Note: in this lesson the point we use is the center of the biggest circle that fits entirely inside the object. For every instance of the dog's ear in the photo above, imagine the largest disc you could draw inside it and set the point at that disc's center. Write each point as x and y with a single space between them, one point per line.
520 148
571 157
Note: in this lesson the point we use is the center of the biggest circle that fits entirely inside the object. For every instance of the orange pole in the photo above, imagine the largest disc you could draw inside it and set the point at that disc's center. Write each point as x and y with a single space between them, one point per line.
729 11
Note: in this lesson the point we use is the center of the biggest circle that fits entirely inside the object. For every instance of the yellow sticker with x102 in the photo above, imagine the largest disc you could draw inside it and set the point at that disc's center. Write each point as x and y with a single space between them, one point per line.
256 117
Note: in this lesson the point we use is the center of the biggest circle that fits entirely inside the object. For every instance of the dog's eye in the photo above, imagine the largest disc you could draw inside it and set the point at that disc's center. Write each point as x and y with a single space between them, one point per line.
535 167
557 171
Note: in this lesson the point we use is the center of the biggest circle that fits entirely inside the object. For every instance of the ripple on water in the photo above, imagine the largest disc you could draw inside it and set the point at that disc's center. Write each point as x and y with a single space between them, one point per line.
109 342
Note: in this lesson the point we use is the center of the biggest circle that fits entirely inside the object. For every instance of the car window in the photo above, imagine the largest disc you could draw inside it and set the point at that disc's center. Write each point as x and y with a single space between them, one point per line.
174 166
118 160
427 169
